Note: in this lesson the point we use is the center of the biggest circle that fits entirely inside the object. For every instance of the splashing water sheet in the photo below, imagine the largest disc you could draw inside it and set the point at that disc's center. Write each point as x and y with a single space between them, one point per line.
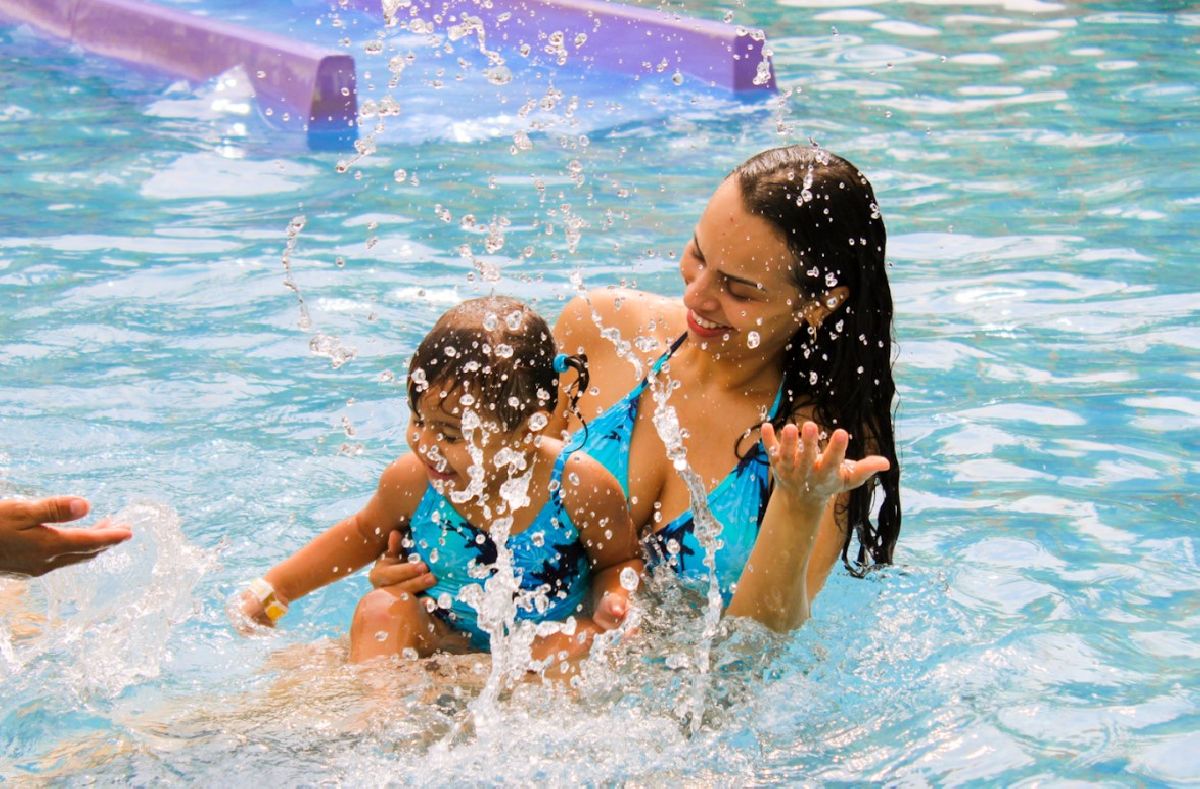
156 356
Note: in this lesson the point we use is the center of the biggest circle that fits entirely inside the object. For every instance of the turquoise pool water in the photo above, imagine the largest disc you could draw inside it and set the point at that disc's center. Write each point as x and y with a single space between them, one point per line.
1035 165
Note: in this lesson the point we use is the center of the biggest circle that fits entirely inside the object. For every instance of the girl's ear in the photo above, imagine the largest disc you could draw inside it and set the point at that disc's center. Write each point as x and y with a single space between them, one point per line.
816 311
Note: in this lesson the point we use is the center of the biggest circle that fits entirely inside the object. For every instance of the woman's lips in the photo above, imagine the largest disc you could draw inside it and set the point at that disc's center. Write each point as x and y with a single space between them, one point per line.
438 476
712 329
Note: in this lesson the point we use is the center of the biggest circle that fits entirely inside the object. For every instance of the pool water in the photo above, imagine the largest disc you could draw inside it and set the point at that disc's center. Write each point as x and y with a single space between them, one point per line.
1034 164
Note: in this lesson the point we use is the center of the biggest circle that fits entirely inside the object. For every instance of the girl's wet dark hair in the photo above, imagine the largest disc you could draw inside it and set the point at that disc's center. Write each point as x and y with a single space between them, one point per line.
499 351
826 210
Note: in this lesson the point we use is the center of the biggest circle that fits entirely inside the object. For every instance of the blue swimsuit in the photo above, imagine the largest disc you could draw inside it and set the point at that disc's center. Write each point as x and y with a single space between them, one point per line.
549 560
737 503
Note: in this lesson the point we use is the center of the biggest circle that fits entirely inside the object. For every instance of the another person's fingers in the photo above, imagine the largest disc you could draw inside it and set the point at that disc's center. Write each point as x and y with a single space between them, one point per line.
109 523
67 559
56 509
89 541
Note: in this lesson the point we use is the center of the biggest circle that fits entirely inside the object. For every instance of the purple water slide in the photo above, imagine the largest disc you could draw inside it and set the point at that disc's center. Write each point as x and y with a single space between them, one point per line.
609 35
296 83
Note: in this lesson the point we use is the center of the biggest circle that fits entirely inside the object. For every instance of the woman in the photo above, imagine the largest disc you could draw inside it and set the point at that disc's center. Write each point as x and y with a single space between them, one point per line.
786 317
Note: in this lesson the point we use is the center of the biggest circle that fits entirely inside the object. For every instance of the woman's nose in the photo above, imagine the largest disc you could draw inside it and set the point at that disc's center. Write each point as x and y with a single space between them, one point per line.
701 290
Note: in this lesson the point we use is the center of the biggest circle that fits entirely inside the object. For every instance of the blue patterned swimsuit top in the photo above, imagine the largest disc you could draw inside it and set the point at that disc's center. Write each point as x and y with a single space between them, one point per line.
737 503
549 560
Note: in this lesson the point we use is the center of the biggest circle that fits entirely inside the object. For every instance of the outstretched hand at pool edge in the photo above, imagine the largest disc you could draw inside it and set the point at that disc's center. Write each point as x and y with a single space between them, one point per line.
29 546
809 474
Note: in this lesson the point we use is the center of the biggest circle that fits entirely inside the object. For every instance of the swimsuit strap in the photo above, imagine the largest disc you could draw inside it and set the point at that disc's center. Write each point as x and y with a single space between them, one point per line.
662 360
557 472
656 368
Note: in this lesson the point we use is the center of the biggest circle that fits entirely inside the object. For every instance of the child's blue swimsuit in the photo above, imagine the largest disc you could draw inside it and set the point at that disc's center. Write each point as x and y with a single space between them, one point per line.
549 560
737 503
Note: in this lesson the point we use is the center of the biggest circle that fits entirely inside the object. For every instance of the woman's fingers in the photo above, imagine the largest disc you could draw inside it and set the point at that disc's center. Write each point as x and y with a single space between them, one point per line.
799 462
835 451
393 546
781 448
769 439
409 575
855 472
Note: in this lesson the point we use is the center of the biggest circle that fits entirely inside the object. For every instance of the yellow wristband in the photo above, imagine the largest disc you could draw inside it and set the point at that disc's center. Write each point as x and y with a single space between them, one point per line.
265 594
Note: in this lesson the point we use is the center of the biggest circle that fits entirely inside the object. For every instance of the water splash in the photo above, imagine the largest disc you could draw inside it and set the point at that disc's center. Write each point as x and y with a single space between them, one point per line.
95 629
289 282
666 423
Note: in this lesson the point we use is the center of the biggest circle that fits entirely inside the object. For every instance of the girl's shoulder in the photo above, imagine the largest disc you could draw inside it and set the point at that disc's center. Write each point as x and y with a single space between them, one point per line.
402 485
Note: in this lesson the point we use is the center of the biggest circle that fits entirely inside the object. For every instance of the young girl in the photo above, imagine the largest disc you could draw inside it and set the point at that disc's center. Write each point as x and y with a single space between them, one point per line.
481 387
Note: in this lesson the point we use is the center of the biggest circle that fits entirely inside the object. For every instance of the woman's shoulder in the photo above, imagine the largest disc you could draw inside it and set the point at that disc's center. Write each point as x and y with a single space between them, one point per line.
633 313
614 327
586 480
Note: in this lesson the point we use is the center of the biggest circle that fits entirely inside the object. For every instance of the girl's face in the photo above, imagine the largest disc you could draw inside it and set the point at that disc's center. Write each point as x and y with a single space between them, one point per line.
737 275
437 437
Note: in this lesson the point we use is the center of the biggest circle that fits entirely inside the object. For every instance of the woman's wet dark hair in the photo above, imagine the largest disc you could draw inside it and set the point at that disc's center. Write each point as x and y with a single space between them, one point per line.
826 210
498 350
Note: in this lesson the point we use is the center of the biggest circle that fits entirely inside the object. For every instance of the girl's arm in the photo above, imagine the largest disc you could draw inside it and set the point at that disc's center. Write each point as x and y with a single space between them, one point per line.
349 545
597 507
793 553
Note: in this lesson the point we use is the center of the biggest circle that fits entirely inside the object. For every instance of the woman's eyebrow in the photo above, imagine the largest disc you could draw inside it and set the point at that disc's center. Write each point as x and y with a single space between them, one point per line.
741 280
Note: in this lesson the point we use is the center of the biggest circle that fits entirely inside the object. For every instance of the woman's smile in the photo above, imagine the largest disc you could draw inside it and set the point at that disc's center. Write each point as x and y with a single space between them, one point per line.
702 327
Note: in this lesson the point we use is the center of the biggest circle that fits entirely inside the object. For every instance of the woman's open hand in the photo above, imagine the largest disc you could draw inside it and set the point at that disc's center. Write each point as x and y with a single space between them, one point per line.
805 472
392 570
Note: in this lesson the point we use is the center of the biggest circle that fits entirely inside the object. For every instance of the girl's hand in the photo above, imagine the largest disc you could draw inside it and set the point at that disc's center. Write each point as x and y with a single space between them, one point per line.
391 570
803 471
611 611
248 611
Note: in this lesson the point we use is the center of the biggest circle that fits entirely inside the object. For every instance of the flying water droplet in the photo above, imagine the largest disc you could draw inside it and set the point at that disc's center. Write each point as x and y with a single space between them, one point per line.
629 579
752 340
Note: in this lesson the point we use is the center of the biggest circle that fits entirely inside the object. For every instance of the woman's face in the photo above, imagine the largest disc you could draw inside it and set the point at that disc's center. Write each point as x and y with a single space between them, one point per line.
737 276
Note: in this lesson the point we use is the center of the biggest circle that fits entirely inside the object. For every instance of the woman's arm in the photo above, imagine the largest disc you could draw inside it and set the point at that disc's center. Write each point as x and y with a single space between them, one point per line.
350 544
793 553
598 510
